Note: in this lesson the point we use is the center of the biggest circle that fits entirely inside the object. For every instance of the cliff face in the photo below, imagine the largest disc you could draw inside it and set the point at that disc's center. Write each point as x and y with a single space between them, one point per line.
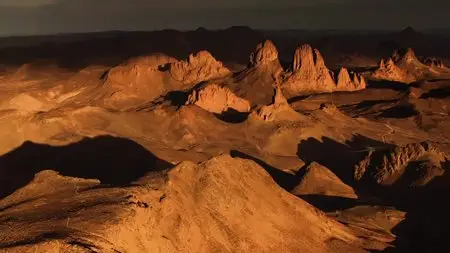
309 74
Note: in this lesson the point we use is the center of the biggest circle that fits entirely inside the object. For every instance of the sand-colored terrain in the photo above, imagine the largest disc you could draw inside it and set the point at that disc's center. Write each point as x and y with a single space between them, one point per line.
160 153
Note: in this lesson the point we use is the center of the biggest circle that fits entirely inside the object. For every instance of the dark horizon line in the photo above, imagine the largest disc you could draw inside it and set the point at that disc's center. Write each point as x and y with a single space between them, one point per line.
378 30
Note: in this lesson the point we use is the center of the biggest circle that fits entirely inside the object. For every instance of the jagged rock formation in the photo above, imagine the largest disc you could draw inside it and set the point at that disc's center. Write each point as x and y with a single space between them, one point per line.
198 67
265 52
407 68
345 82
434 62
147 78
256 82
280 110
309 74
217 99
409 57
390 71
319 180
309 71
222 204
414 164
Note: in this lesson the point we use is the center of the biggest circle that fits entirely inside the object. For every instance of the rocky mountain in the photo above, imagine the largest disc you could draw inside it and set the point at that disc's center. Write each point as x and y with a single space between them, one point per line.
187 209
256 83
146 78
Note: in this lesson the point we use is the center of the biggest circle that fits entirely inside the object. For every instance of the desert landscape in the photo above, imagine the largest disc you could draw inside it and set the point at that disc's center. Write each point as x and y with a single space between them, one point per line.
227 140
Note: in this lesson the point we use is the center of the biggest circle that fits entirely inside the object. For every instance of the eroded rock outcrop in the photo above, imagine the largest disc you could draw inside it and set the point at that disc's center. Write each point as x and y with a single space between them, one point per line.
434 62
350 81
414 164
198 67
255 83
388 70
265 52
217 99
147 78
280 110
136 81
309 74
407 68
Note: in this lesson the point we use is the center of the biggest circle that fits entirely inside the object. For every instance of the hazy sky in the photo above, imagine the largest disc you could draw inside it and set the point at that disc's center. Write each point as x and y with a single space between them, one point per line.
56 16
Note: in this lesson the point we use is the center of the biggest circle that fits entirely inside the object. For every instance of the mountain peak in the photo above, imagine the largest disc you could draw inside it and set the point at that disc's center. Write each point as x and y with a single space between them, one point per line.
265 52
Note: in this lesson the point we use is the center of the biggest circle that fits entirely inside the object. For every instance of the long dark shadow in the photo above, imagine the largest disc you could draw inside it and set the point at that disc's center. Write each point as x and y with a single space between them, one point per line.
285 180
114 161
